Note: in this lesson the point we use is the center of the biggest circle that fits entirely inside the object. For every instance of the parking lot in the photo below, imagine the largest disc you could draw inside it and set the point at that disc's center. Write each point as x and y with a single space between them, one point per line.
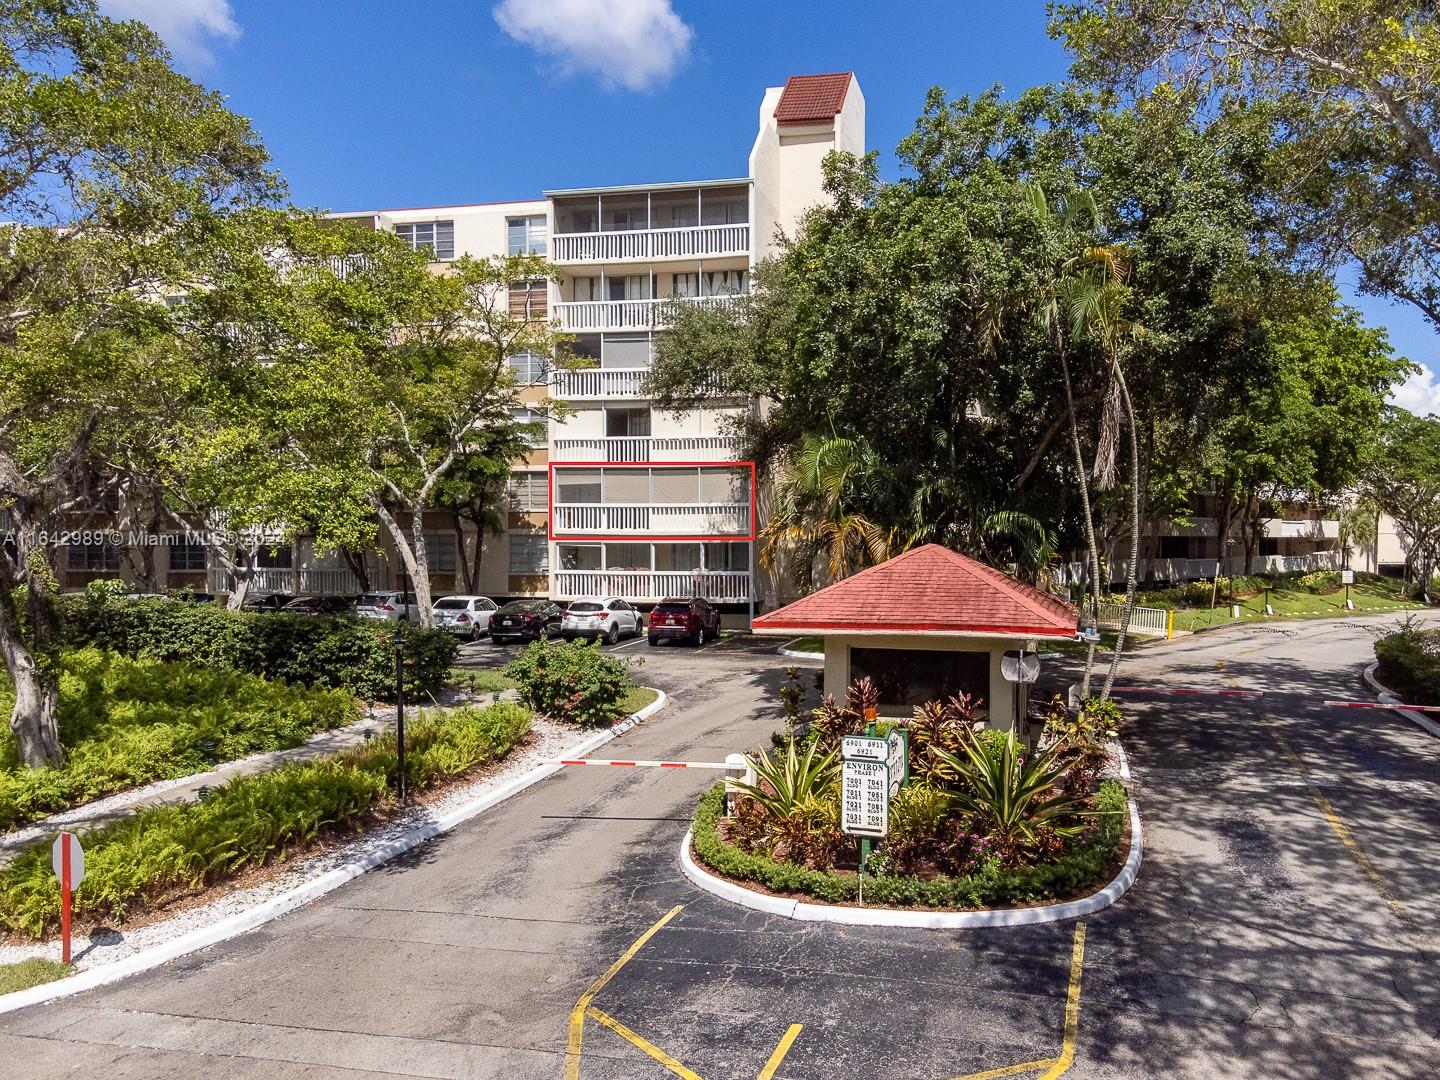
1283 924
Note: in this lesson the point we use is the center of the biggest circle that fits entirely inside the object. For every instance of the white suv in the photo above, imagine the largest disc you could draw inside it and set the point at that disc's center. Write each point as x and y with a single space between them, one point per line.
606 617
468 616
389 606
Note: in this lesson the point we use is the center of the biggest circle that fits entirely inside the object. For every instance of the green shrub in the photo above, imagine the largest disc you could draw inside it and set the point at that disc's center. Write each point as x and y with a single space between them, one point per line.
1079 866
571 681
355 654
165 852
126 722
1410 664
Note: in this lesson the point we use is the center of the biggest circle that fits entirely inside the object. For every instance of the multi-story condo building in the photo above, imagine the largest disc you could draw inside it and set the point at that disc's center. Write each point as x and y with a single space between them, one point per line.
618 499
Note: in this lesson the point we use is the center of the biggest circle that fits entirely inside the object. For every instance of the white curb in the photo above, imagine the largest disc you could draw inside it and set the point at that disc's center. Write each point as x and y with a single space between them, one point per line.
1391 698
785 650
929 920
205 936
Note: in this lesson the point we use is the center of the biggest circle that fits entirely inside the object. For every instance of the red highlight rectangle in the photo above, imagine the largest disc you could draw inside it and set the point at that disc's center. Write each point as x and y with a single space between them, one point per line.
713 537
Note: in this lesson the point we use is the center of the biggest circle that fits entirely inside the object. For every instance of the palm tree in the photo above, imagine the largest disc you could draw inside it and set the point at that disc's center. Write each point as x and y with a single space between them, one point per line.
817 511
1029 540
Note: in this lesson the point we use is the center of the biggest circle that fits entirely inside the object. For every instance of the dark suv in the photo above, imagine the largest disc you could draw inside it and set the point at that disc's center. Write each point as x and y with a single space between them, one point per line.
522 619
695 621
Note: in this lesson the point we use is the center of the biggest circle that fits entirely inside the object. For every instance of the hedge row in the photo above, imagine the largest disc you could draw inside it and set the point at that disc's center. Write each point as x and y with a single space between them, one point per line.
1079 867
1410 664
127 722
167 852
357 655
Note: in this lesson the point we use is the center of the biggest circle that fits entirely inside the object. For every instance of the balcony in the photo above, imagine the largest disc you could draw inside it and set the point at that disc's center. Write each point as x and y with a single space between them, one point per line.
1303 528
577 316
644 448
653 585
650 519
323 582
636 245
598 384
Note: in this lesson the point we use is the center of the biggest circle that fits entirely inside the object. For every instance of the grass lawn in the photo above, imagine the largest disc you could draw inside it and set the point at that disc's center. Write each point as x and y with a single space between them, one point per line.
28 973
481 682
636 698
806 644
1371 595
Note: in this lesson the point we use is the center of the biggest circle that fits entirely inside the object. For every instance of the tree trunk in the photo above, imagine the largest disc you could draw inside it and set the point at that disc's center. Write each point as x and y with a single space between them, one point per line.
467 575
1129 605
416 564
1088 519
478 553
355 560
37 738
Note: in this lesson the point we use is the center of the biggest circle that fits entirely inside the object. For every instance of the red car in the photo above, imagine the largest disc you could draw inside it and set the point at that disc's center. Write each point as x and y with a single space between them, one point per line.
695 621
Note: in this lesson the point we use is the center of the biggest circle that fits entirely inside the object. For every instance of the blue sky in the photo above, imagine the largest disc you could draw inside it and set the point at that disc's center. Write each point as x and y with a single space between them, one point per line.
368 104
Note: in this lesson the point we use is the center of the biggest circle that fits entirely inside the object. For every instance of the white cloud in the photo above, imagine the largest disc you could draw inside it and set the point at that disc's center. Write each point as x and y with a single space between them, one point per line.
635 44
188 27
1420 393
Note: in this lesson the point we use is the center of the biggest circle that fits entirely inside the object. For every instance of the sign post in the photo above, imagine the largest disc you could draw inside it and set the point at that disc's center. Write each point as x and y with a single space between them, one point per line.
400 715
67 859
1347 577
866 786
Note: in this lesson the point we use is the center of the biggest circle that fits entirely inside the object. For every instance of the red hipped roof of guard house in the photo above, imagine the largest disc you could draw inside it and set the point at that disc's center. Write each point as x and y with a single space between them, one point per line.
931 590
812 99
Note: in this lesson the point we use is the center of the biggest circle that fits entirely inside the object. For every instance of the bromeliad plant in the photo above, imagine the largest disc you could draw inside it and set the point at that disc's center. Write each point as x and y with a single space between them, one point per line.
939 725
793 809
1020 803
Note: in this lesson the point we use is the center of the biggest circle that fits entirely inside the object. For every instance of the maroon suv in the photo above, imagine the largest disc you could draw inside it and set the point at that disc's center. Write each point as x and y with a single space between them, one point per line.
695 621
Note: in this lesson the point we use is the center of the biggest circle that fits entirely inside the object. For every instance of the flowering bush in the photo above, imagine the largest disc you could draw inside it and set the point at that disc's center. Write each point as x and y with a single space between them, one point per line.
572 682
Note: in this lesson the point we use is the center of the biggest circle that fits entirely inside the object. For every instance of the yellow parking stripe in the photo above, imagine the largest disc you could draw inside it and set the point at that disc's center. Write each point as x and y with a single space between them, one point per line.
1009 1070
768 1072
1072 1008
643 1043
577 1015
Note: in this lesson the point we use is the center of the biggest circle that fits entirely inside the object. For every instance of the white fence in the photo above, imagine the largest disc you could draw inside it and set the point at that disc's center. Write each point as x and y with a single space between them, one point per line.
662 519
579 315
621 246
1181 570
324 582
598 383
1151 621
645 448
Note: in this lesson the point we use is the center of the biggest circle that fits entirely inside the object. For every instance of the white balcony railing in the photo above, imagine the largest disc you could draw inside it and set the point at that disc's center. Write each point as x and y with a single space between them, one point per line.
658 519
580 315
598 383
653 584
1205 569
645 448
694 241
321 582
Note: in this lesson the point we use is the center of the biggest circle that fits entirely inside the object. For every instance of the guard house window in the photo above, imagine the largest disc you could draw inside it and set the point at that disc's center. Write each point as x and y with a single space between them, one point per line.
187 556
529 555
436 237
527 367
526 235
95 558
906 677
528 491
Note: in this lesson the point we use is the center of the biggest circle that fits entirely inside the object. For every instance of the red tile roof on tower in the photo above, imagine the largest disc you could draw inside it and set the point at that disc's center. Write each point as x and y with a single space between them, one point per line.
930 590
812 99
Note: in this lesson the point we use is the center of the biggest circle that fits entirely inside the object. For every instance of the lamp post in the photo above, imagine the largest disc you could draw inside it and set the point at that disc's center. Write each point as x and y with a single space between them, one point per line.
400 715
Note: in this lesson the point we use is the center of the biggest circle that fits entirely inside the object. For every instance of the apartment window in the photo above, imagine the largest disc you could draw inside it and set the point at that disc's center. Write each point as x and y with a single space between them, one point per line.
527 367
1174 547
274 558
733 557
96 558
528 491
187 557
625 351
521 415
627 556
526 235
628 287
436 237
577 486
578 557
529 555
528 300
677 557
620 423
685 285
724 282
440 549
727 211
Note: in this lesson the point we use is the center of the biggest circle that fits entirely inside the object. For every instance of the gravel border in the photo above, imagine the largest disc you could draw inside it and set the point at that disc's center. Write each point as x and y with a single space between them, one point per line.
108 958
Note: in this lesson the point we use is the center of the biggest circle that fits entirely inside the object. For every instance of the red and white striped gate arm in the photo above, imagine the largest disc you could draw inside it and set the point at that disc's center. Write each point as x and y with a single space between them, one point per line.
1382 705
647 764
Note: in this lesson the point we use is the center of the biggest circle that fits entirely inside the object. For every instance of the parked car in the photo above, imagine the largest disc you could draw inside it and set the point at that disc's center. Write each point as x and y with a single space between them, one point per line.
606 617
468 616
522 619
320 605
193 597
274 601
393 606
695 621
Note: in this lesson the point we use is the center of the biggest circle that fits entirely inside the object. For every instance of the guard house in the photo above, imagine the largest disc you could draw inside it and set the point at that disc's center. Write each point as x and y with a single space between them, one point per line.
925 625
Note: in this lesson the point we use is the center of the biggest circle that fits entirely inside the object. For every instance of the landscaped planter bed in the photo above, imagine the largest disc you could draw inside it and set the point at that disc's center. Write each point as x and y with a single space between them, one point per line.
1084 867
